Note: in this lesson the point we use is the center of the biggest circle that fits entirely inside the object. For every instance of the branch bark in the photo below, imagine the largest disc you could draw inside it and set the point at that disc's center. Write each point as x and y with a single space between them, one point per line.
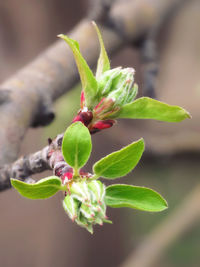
49 158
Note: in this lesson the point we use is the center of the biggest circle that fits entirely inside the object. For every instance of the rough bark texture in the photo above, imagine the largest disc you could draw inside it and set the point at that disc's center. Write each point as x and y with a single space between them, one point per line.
37 162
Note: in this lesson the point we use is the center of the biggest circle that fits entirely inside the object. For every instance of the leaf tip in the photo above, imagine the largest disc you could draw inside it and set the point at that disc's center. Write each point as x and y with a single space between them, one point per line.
164 204
141 141
163 208
184 115
93 23
62 36
188 115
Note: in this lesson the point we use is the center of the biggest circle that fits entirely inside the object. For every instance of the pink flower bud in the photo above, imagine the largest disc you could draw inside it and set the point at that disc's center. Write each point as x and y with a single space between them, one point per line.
84 116
100 125
67 175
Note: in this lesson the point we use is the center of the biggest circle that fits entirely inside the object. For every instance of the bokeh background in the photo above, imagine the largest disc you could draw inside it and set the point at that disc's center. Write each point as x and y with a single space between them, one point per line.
39 233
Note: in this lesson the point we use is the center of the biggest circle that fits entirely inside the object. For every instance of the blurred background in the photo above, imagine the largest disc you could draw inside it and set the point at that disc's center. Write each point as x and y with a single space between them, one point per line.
39 233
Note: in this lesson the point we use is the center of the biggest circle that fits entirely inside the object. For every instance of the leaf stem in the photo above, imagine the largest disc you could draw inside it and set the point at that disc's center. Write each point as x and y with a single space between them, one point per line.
94 177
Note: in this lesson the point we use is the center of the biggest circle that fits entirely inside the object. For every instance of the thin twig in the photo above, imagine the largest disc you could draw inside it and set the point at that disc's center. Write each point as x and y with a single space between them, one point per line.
37 162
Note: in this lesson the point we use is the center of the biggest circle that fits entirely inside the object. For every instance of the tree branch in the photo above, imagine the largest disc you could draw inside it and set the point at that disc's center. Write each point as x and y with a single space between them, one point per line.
37 162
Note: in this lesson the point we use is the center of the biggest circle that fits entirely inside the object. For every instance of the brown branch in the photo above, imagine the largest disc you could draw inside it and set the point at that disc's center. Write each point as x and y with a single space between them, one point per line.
23 168
37 162
176 224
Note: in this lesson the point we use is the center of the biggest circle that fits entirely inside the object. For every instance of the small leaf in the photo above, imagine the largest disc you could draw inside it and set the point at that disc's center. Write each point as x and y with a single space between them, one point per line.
88 80
148 108
121 162
44 188
76 145
103 61
141 198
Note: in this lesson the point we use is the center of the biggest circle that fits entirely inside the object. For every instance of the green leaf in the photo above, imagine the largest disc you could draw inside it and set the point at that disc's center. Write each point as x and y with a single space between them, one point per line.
121 162
141 198
44 188
88 80
103 61
148 108
76 145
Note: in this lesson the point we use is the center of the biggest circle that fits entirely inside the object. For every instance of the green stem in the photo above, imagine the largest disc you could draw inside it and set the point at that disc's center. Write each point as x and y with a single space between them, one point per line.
94 177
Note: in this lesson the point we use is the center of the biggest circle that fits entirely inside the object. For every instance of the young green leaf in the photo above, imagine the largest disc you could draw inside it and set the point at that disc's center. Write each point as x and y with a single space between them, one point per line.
148 108
121 162
141 198
44 188
103 61
76 145
88 80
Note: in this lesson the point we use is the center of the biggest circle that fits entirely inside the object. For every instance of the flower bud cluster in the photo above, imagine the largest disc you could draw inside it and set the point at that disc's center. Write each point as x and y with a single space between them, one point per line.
85 204
122 90
115 89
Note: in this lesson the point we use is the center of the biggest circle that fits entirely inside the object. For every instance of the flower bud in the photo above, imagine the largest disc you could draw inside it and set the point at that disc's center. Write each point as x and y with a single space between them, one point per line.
97 190
107 81
117 85
115 90
101 125
83 222
71 206
79 190
66 174
87 212
124 91
86 204
85 116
